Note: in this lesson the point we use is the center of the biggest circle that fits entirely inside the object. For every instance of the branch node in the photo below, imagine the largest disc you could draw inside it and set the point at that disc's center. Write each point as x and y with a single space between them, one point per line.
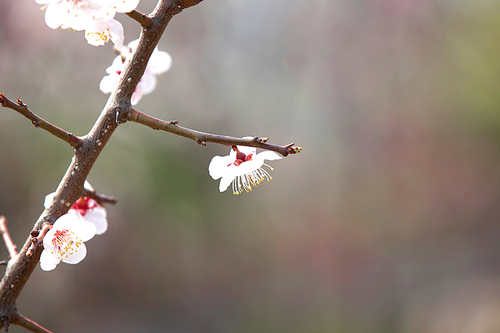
262 139
201 142
174 122
143 19
37 238
100 198
5 320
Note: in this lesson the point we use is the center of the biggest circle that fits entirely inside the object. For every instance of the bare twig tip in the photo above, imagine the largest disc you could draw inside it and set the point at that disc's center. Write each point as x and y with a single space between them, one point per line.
294 150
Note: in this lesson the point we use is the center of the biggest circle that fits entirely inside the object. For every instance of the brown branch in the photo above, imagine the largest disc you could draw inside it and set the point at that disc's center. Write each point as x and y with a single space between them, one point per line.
202 138
20 107
37 237
20 320
100 198
143 19
188 3
87 150
9 244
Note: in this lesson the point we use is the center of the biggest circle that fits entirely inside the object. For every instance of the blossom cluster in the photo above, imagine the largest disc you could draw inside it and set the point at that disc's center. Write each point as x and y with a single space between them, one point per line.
96 17
242 168
64 241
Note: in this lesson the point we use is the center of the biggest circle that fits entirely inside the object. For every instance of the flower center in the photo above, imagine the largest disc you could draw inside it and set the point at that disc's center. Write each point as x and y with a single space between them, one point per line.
65 243
240 157
83 204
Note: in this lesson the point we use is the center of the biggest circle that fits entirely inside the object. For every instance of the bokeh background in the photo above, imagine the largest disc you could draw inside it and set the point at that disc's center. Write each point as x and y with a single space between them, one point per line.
387 221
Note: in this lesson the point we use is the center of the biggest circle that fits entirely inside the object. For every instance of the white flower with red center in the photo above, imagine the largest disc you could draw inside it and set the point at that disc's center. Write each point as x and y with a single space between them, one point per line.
242 168
64 242
86 209
159 62
94 16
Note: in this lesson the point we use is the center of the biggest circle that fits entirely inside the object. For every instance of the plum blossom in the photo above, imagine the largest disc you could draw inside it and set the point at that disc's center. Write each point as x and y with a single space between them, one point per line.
86 209
94 16
64 242
242 168
100 32
160 62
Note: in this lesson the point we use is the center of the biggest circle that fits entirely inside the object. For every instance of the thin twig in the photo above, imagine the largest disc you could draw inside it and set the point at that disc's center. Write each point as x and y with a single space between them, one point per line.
20 320
37 121
202 138
100 198
143 19
9 244
188 3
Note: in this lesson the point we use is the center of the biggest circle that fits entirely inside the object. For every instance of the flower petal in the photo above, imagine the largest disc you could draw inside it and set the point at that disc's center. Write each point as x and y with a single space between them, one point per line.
47 261
48 199
225 181
55 15
78 255
97 216
117 36
125 6
108 83
72 221
268 155
136 96
160 62
218 166
87 186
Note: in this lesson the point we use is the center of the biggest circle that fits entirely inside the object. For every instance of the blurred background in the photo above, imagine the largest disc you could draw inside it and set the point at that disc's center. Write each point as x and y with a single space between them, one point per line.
387 221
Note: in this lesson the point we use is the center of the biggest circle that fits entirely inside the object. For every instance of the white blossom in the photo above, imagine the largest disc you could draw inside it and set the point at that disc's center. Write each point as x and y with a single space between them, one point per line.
159 62
87 210
242 168
93 16
64 242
